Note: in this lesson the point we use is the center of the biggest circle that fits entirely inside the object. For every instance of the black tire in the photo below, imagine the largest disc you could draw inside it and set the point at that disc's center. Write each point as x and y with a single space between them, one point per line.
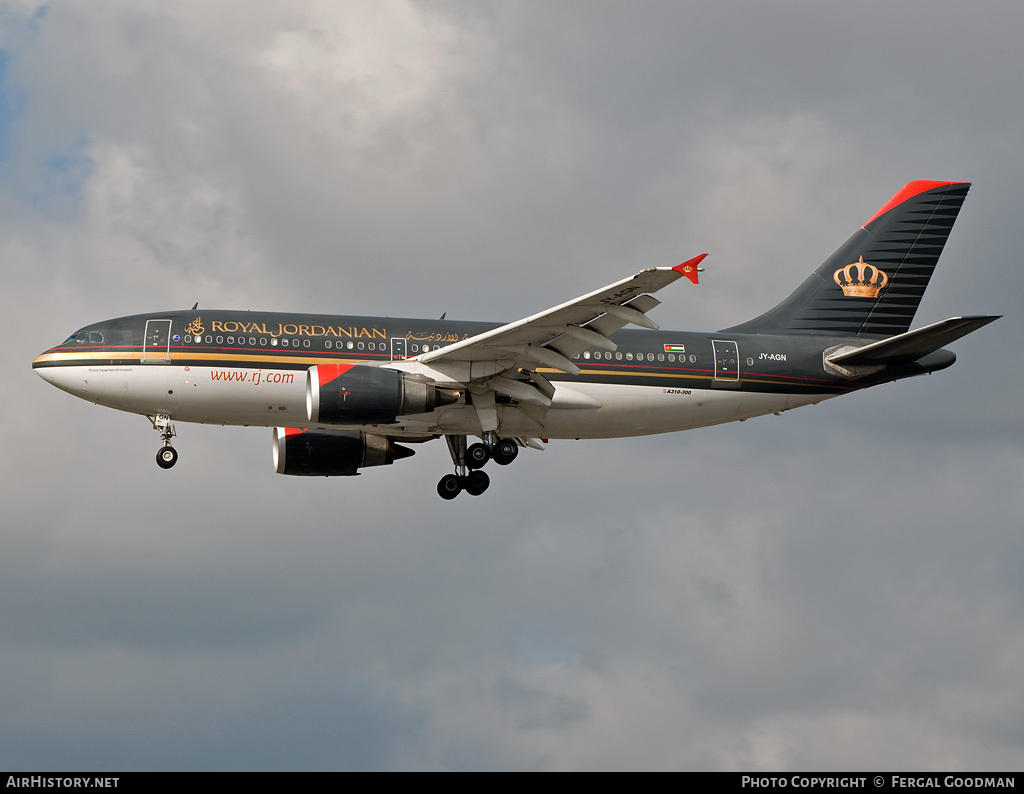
449 487
505 451
477 455
477 482
166 457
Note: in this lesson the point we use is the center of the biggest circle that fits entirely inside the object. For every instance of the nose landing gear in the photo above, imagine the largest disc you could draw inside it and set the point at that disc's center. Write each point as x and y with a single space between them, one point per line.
167 455
468 462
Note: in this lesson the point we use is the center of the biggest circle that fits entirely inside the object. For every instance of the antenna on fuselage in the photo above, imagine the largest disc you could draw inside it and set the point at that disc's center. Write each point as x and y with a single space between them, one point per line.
194 306
443 315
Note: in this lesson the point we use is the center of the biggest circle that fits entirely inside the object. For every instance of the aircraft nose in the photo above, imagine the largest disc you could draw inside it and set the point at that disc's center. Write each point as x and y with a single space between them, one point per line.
46 366
43 366
42 361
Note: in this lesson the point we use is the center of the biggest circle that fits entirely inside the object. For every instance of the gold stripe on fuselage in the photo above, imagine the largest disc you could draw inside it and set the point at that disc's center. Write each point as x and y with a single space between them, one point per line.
186 358
265 358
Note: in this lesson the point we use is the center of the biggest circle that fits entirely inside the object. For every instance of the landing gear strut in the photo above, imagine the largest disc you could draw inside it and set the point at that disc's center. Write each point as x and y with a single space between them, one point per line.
167 455
470 460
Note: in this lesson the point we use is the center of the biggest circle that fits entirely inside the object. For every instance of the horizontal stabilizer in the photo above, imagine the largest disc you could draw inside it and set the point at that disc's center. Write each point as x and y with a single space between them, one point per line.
912 345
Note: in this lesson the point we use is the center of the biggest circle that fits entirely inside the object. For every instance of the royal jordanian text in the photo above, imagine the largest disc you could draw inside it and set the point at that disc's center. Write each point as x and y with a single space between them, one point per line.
43 781
287 329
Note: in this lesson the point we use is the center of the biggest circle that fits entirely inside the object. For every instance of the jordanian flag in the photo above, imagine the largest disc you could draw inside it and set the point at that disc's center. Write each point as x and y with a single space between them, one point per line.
675 348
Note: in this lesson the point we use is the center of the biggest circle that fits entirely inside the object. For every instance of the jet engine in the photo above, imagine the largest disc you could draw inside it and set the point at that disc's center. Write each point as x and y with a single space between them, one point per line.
359 394
331 453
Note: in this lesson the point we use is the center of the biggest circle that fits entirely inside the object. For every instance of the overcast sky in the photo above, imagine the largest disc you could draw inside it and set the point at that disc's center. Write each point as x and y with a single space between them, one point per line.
836 588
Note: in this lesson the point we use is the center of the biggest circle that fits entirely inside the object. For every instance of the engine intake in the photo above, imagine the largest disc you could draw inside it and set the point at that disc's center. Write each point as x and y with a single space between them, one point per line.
332 453
358 394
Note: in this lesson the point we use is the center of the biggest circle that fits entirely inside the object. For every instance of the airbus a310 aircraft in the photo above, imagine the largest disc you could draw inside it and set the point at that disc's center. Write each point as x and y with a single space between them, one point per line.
341 392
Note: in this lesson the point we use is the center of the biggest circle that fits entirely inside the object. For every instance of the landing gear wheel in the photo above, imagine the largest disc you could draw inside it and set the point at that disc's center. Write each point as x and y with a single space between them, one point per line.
166 457
450 486
477 455
477 482
505 451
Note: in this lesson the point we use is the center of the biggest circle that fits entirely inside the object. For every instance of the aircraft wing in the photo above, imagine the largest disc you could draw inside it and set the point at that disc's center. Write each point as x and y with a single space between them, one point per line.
554 336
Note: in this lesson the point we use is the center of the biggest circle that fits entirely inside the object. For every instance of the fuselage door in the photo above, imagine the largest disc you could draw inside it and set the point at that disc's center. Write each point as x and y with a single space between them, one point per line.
399 348
727 361
156 345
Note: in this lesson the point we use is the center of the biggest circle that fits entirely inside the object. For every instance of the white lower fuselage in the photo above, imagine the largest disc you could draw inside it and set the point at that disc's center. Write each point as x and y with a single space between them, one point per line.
277 398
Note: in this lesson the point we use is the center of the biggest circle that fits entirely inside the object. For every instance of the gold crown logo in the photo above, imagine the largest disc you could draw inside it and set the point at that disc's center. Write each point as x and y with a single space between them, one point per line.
868 282
195 327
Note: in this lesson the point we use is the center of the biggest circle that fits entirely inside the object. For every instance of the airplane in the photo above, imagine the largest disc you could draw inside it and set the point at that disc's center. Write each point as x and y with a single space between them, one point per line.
343 393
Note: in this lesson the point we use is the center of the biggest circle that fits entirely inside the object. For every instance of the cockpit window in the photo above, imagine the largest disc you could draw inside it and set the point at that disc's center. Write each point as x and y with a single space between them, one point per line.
85 338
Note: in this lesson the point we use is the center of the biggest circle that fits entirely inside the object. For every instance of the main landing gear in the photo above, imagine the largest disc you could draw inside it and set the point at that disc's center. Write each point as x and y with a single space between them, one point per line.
468 461
167 455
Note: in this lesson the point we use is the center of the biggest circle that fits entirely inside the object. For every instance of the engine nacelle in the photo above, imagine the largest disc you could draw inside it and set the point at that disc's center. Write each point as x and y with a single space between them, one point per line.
359 394
331 453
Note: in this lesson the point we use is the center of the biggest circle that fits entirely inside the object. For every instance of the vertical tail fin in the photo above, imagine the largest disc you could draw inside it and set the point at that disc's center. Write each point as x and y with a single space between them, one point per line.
874 283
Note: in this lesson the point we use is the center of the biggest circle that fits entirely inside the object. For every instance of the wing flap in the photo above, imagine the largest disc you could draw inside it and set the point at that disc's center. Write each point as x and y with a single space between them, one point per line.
518 390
